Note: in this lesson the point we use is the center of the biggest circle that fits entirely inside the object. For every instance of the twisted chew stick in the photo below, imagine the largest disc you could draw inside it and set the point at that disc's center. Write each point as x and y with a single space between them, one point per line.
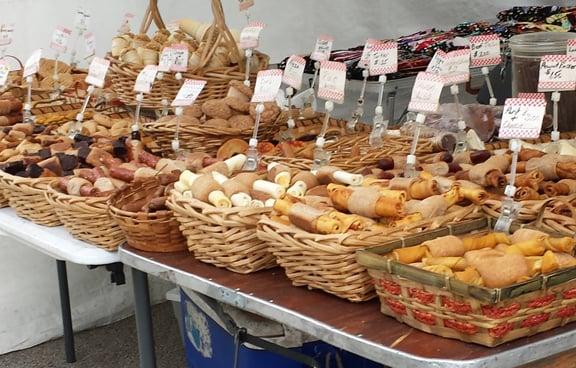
433 206
491 172
307 217
350 222
415 188
531 179
563 187
548 165
364 201
409 254
332 174
526 194
566 170
489 240
472 192
455 263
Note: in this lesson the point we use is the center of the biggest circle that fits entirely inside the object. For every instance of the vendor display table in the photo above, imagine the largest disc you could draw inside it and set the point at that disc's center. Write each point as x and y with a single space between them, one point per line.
59 244
359 328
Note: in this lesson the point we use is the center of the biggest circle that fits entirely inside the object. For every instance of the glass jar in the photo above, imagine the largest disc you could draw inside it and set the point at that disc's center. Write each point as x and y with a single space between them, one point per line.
527 49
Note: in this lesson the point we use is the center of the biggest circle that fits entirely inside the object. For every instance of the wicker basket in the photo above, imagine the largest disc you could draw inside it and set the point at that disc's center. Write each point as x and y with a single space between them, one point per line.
86 218
224 237
149 232
123 75
27 197
449 308
328 262
3 199
200 138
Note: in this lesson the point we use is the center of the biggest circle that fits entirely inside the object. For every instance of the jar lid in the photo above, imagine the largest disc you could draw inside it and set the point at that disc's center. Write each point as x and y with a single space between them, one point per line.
541 42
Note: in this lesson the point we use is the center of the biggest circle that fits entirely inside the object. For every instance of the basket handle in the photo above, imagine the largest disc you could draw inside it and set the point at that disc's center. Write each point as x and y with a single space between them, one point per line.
152 14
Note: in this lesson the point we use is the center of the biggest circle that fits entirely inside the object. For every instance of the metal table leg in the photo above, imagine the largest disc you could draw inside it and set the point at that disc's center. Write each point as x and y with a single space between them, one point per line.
143 319
66 312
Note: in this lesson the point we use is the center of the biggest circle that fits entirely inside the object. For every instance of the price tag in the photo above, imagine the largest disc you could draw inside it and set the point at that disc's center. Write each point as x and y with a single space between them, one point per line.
173 26
323 48
60 39
250 36
484 50
97 72
165 61
6 31
246 4
294 71
82 19
4 71
453 67
32 64
332 81
189 92
145 79
437 64
522 118
179 57
90 43
384 58
426 93
125 26
364 59
557 73
267 85
539 96
571 47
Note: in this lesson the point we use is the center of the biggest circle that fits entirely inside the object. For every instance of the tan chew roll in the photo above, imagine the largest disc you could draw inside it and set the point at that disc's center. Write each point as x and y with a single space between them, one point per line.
445 246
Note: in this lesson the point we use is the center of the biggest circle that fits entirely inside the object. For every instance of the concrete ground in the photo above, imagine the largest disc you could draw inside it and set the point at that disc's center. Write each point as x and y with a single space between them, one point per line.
113 346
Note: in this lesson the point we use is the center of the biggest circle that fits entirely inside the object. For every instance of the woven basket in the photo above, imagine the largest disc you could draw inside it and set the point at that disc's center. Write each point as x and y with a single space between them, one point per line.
86 218
224 237
328 262
123 75
452 309
27 197
3 199
149 232
200 138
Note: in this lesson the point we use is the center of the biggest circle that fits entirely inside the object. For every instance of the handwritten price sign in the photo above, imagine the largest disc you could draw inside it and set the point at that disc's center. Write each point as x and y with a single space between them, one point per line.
426 93
174 59
267 85
557 73
365 58
332 81
383 58
145 79
294 71
97 72
250 36
32 64
485 50
453 67
522 118
322 49
571 48
189 92
60 39
6 31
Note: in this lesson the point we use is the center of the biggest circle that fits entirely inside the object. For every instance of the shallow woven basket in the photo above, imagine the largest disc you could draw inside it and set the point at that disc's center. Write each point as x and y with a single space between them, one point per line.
200 137
86 218
529 212
328 262
450 308
123 75
224 237
150 232
27 197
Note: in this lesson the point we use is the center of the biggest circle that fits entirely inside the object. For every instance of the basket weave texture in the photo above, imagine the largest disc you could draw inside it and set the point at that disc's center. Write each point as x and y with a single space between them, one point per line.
224 237
150 232
86 218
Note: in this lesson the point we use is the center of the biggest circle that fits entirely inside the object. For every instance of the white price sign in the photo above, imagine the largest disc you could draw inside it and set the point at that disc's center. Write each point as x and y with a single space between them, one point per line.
4 71
60 38
383 58
32 64
189 92
173 26
557 73
97 72
332 81
453 67
571 48
165 61
522 118
6 31
267 85
322 49
294 71
485 50
365 58
90 43
179 58
250 36
145 79
246 4
82 19
426 93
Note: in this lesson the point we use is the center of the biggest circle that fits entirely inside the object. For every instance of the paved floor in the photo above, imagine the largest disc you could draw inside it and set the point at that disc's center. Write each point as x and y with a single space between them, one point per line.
113 346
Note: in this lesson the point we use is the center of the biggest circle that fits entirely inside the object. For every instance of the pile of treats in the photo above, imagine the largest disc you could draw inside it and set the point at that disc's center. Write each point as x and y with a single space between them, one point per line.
493 260
10 111
67 78
99 125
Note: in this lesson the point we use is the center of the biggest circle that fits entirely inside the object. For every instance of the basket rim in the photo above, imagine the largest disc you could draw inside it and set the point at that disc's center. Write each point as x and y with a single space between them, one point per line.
206 208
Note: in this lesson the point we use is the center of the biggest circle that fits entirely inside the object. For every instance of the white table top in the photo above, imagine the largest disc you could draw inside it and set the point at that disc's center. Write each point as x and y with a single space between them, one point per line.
55 242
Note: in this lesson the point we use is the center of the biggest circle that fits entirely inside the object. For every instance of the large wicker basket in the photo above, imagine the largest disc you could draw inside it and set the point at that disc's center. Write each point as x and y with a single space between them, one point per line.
123 75
3 199
27 197
449 308
224 237
150 232
328 262
86 218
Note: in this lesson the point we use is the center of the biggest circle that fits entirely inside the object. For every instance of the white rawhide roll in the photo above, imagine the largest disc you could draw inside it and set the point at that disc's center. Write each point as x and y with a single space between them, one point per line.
298 189
218 199
348 178
235 163
240 200
272 189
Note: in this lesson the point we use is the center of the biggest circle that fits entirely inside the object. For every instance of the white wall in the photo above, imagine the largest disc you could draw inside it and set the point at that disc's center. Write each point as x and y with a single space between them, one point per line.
292 24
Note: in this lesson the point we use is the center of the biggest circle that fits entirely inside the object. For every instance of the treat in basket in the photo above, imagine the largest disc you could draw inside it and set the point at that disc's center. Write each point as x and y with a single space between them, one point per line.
10 111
